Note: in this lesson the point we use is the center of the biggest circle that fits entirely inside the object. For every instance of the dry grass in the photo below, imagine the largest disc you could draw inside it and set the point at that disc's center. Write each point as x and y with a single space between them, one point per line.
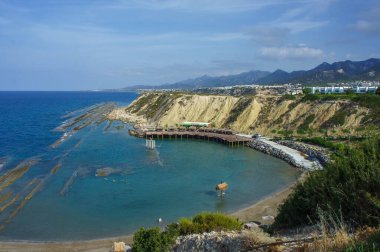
256 236
337 242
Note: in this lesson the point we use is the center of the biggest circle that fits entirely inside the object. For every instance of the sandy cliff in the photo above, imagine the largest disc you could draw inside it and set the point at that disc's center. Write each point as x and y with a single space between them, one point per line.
268 115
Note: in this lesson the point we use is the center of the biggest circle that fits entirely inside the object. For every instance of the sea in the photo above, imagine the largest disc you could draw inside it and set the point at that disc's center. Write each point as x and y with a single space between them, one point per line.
55 192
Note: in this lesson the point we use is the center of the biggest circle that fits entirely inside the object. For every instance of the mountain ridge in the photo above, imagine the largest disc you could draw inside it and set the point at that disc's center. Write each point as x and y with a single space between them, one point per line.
366 70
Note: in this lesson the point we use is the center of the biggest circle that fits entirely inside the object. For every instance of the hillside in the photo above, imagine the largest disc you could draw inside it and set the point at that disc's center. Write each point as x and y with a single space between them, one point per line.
325 72
367 70
267 115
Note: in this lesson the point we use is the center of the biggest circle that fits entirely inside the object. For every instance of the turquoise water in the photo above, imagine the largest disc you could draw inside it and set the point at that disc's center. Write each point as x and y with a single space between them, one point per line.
175 180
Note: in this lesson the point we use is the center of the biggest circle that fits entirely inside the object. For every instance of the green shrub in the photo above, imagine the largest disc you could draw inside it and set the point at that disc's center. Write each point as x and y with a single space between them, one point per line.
239 107
348 186
369 244
347 131
301 131
206 222
338 118
307 90
305 125
310 97
152 240
326 143
286 133
288 97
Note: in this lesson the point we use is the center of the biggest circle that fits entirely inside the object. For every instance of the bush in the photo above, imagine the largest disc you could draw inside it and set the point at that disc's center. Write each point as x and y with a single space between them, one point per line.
324 143
239 107
306 90
207 222
286 97
310 97
337 119
152 240
348 186
305 125
367 240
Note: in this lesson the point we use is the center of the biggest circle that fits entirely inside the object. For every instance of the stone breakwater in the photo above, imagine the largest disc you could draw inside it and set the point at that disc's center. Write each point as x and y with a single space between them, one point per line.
314 152
277 152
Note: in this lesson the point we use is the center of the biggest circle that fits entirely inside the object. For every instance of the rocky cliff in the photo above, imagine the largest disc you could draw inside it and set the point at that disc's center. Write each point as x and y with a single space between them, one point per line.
267 115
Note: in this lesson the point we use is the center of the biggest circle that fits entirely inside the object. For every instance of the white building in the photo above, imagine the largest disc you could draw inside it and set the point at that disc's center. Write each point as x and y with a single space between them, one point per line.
341 90
364 90
327 90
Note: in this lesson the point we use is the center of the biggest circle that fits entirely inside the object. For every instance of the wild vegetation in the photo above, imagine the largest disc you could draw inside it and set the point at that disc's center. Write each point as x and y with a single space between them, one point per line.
348 187
154 240
206 222
304 127
240 106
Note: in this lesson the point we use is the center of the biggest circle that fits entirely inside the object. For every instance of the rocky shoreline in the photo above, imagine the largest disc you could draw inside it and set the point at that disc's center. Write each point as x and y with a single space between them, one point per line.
279 153
312 151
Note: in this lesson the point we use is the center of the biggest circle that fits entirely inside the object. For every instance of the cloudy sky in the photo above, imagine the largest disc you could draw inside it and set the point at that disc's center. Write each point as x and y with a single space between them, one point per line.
89 44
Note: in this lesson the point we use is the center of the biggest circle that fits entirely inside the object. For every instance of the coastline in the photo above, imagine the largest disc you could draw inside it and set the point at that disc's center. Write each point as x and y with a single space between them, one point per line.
264 207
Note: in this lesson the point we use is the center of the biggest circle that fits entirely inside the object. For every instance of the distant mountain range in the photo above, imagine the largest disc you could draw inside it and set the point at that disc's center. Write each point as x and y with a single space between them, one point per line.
323 73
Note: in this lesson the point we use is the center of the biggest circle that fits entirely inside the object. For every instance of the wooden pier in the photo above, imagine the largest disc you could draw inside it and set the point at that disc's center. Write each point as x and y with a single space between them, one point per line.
230 139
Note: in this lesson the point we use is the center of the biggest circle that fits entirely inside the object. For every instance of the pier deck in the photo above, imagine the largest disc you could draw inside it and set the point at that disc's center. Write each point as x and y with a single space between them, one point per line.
230 139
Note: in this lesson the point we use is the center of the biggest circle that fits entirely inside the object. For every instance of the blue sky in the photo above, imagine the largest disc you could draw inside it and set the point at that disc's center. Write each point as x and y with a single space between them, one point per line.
89 44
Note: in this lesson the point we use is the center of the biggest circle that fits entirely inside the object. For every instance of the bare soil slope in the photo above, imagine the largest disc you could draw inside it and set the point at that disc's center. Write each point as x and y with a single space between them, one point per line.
268 115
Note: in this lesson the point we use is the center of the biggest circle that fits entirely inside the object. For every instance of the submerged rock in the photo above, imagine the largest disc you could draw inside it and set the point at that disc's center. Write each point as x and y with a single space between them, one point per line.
106 171
3 162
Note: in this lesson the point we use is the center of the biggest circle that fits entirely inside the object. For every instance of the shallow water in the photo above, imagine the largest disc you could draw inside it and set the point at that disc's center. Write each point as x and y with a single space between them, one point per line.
175 180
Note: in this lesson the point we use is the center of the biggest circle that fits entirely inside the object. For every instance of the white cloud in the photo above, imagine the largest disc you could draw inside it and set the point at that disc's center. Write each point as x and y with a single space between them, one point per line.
369 22
201 5
99 36
268 35
365 26
282 53
298 26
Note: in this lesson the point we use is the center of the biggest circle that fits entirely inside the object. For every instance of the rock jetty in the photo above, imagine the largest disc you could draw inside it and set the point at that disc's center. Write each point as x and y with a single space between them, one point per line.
314 152
291 156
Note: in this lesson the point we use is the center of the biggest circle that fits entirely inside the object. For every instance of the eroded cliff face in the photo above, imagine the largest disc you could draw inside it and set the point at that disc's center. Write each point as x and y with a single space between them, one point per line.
267 115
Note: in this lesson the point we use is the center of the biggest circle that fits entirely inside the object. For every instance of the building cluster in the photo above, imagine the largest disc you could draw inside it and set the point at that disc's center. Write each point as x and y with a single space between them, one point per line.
358 87
344 89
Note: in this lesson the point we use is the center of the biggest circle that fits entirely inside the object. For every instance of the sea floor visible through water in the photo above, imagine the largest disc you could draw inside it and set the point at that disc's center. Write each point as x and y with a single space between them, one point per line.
62 197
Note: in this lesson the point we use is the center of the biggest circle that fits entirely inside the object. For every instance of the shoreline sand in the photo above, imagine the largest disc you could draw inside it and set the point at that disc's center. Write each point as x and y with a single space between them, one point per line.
264 207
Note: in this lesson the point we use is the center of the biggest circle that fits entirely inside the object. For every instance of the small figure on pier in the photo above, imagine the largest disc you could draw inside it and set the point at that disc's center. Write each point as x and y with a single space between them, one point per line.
221 188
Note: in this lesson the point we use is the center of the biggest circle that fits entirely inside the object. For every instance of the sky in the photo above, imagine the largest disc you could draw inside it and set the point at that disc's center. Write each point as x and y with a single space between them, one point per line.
101 44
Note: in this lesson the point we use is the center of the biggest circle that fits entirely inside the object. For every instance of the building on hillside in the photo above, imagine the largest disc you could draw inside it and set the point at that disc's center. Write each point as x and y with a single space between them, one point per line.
327 90
344 89
195 124
364 90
